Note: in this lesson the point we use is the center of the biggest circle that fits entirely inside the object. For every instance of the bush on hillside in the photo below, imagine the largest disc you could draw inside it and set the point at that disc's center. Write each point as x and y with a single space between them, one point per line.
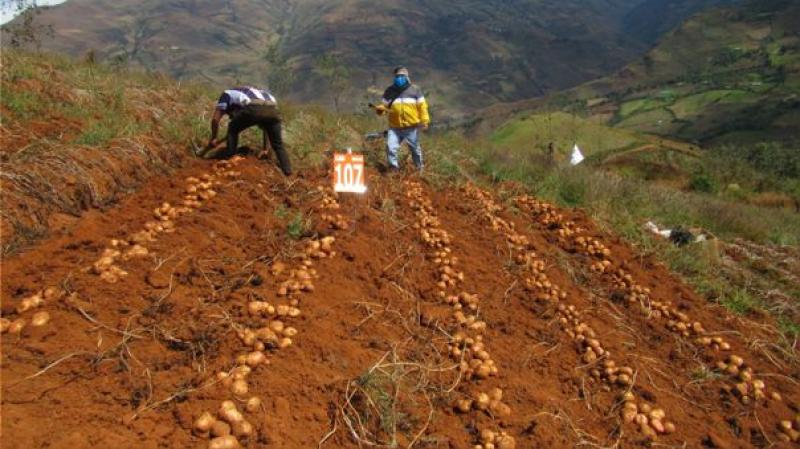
773 158
702 182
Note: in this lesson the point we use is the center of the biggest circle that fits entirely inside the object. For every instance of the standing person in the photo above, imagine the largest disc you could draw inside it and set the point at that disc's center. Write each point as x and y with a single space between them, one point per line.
408 115
246 107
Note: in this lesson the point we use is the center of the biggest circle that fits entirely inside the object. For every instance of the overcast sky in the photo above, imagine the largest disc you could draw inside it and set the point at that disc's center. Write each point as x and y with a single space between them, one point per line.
8 8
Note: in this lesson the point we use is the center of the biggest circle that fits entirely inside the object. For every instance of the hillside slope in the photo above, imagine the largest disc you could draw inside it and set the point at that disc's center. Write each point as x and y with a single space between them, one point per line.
466 54
135 361
729 75
222 300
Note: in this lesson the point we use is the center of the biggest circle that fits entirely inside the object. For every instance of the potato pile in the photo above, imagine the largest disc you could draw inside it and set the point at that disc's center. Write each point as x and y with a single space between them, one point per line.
35 301
547 215
275 334
467 344
488 213
335 221
581 333
199 190
592 247
329 200
535 279
106 267
474 360
448 276
747 388
302 278
651 421
491 402
463 301
134 246
790 429
228 427
495 440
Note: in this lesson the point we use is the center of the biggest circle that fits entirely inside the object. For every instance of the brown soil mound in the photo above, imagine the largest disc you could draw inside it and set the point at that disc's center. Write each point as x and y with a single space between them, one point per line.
410 317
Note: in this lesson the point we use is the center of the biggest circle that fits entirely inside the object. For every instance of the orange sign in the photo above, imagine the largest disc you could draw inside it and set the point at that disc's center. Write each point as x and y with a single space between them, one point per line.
348 173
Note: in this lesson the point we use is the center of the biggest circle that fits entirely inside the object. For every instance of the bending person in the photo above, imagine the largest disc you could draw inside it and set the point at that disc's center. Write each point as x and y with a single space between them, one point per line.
247 107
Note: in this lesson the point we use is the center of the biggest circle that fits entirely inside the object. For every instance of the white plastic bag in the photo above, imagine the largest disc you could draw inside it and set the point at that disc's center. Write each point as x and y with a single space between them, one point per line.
577 156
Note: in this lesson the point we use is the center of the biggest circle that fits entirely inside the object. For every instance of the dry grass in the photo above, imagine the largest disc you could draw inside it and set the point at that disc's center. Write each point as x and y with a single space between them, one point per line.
77 135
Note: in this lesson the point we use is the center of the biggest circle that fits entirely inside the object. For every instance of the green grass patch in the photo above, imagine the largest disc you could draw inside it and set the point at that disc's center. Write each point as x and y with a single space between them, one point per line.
530 134
694 105
789 328
297 226
642 105
655 121
739 302
96 134
24 104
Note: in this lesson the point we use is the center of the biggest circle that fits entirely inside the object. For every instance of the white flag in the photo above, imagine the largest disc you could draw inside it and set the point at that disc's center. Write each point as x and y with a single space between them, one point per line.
577 156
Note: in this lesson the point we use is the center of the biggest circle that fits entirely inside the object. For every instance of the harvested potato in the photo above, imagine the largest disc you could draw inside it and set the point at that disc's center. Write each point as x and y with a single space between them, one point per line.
4 325
229 412
253 404
255 358
40 319
17 326
239 388
243 429
224 442
220 428
204 423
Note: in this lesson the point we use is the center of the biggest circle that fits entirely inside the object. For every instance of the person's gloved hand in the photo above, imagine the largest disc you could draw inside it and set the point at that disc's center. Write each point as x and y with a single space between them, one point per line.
380 109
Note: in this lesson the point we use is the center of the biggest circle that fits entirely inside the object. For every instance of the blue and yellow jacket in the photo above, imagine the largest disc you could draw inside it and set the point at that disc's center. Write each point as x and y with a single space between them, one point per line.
406 107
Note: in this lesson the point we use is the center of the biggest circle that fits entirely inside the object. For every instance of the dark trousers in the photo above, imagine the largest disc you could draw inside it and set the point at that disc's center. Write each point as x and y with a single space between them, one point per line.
265 117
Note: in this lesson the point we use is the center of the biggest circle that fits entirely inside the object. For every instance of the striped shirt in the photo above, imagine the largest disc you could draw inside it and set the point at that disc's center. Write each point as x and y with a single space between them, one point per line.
237 98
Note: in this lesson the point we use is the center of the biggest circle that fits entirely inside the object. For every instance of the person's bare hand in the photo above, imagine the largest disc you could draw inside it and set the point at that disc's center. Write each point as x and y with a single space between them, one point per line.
424 127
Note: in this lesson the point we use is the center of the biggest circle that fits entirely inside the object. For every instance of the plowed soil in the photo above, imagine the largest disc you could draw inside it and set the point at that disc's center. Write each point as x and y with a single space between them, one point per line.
132 364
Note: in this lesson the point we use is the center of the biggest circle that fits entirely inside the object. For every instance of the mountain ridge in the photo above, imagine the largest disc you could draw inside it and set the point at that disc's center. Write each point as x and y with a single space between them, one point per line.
726 75
468 55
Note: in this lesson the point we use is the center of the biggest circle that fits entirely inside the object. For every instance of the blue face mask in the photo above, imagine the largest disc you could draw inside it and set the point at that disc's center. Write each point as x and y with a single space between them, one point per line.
400 81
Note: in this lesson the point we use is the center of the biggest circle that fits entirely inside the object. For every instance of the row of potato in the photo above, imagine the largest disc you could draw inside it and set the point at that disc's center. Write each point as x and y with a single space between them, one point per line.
123 249
651 420
745 386
230 427
467 345
198 190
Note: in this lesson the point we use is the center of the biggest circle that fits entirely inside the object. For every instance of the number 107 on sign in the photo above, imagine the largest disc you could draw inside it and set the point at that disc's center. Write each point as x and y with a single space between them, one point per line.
348 173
